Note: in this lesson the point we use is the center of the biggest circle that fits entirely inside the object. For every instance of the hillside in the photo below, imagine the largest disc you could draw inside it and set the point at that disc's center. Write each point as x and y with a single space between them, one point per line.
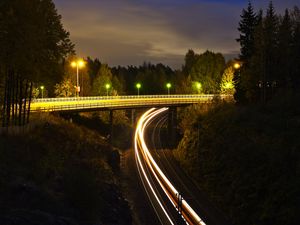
247 159
60 173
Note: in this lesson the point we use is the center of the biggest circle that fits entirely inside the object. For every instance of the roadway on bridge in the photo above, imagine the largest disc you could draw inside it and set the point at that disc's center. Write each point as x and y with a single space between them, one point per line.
118 102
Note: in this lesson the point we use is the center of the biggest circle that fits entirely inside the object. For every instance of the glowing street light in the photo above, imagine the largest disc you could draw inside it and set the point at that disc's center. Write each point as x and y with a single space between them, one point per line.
78 65
107 86
237 66
198 86
138 86
168 85
42 88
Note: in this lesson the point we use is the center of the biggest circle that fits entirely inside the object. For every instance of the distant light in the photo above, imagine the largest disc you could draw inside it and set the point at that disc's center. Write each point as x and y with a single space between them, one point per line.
79 63
199 85
107 86
73 64
42 87
237 66
169 85
138 85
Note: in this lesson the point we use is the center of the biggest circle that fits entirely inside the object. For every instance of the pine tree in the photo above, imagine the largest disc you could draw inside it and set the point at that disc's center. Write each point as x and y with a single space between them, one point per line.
254 78
242 77
246 27
295 76
285 39
271 44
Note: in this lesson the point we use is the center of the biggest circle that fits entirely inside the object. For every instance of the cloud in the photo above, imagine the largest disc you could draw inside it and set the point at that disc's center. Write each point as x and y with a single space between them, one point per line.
129 32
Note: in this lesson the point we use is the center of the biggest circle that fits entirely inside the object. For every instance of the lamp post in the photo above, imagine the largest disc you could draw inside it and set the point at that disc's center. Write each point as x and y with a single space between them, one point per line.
77 64
168 85
138 86
198 86
42 88
107 86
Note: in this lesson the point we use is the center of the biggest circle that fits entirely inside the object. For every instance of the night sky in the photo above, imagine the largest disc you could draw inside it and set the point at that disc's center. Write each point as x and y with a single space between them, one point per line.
129 32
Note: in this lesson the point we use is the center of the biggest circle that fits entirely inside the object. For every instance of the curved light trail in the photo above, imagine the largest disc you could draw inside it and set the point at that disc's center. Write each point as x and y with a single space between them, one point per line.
145 161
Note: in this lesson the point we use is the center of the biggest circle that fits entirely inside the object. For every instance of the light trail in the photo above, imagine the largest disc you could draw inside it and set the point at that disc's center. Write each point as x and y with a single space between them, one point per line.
142 152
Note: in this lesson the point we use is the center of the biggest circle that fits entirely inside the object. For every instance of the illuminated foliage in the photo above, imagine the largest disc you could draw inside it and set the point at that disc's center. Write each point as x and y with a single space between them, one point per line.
65 89
227 84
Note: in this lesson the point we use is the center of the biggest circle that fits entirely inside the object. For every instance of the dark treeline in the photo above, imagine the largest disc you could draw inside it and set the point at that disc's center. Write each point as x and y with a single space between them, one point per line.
152 78
270 53
245 156
123 80
33 47
209 70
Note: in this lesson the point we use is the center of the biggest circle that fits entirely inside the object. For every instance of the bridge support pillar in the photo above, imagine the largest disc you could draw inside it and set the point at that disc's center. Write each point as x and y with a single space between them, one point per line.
133 117
111 125
172 126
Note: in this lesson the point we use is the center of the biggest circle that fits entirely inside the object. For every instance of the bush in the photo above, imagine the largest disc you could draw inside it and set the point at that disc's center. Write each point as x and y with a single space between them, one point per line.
247 160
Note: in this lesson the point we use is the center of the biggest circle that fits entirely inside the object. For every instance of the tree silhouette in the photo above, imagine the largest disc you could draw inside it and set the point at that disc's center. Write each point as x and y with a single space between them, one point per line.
34 45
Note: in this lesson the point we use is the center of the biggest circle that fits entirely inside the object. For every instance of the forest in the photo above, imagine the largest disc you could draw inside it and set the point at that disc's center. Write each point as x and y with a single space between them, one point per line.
244 154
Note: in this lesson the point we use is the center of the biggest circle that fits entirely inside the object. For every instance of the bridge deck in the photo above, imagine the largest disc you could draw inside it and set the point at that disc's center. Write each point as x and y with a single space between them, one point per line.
118 102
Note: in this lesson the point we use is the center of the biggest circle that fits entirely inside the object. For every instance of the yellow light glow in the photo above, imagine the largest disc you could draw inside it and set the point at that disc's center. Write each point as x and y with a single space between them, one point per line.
80 63
237 66
73 64
107 86
199 85
228 85
42 87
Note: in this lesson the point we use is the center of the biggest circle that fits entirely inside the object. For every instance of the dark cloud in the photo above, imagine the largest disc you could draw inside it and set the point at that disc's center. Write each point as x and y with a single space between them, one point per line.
128 32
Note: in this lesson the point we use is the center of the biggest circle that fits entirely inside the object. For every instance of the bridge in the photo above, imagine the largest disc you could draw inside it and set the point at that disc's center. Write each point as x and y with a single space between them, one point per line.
119 102
111 103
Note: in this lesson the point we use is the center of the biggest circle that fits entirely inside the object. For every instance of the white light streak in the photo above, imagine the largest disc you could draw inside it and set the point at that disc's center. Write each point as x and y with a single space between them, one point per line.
190 216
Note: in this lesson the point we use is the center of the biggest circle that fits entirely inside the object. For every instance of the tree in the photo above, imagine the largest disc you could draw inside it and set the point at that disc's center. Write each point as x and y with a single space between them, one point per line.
227 84
184 83
270 35
295 49
103 77
285 40
243 76
65 88
33 48
208 70
253 75
246 28
93 66
190 59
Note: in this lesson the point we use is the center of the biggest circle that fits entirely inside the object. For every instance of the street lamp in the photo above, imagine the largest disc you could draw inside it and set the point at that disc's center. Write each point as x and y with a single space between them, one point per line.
138 86
237 66
168 85
77 64
107 86
198 86
42 88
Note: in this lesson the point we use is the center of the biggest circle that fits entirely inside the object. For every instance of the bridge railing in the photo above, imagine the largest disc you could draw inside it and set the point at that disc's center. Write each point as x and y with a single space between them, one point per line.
89 103
126 97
